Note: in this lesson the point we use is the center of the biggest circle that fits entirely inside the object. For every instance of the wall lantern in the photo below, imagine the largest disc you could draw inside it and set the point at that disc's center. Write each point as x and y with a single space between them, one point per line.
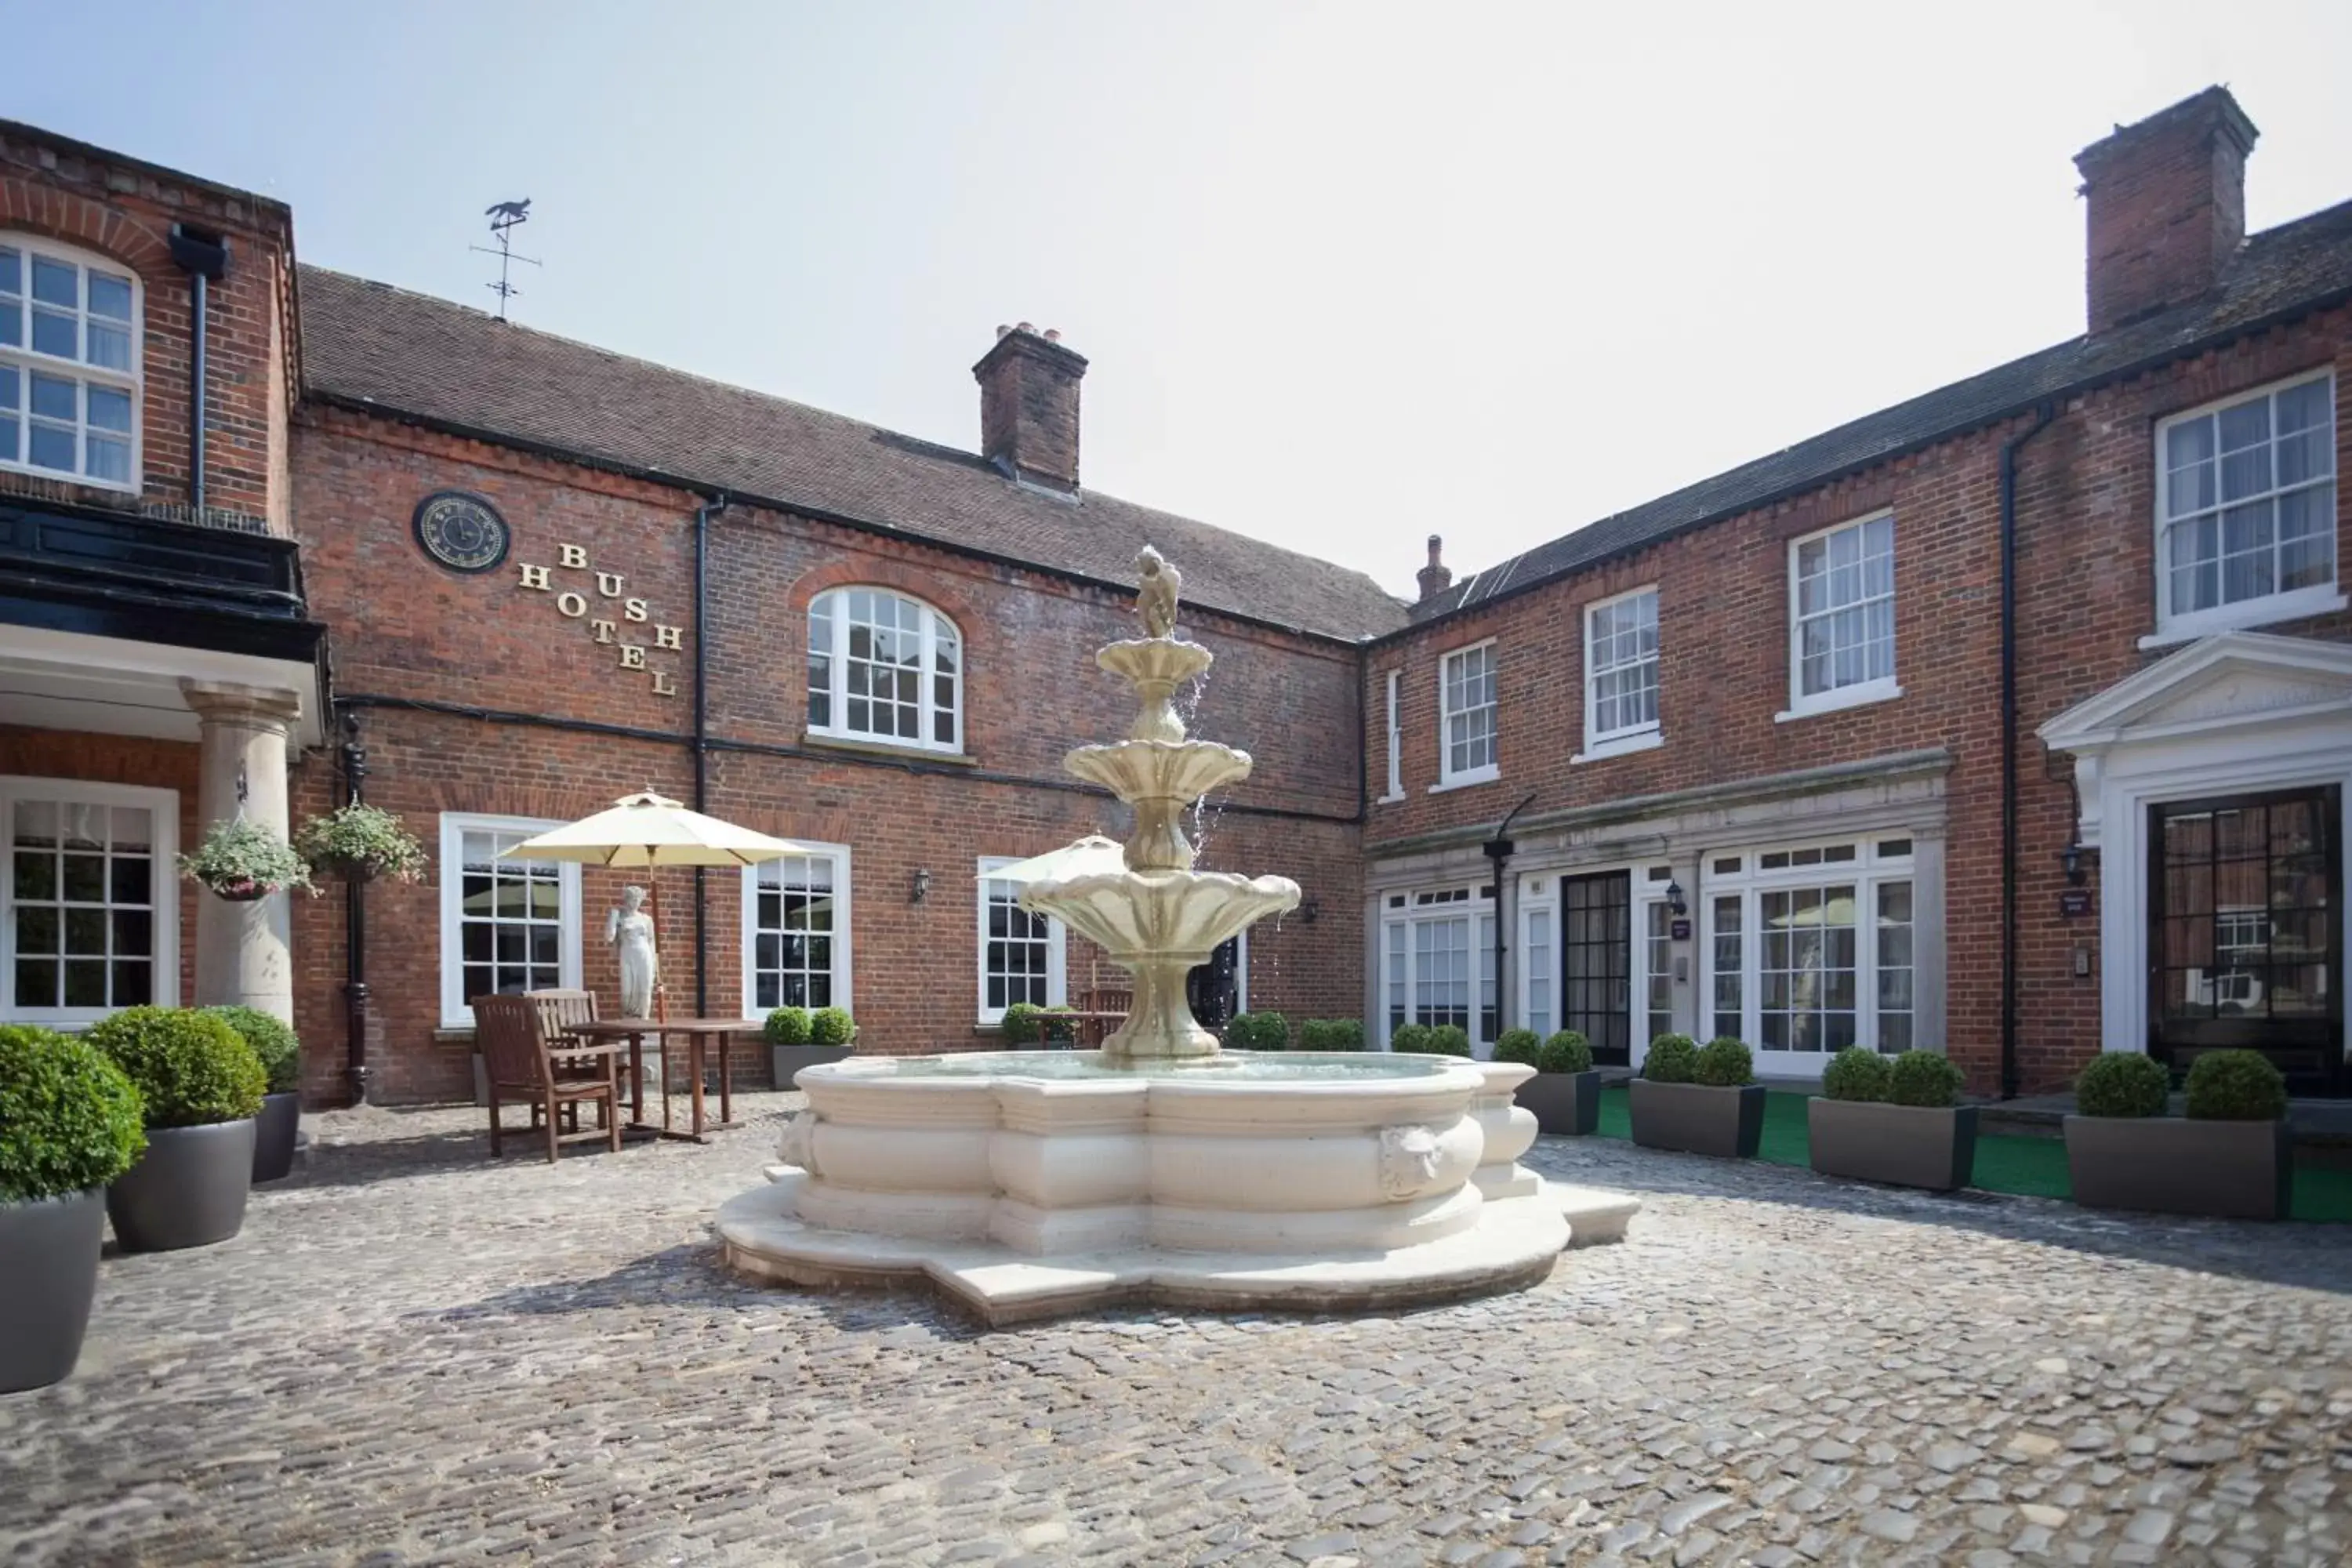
922 886
1309 909
1675 899
2073 858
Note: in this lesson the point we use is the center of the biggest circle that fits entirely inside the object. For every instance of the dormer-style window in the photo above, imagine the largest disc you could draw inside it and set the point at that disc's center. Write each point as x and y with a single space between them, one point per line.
68 364
884 668
2246 511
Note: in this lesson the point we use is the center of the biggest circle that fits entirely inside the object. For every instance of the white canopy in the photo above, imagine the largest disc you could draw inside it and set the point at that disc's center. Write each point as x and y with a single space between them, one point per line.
1092 856
649 829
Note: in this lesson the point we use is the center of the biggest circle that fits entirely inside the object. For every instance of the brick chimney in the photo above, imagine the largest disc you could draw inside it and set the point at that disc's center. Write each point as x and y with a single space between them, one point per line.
1029 406
1435 578
2168 206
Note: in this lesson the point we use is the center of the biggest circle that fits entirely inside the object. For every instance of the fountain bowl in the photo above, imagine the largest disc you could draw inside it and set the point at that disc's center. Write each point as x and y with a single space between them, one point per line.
1028 1184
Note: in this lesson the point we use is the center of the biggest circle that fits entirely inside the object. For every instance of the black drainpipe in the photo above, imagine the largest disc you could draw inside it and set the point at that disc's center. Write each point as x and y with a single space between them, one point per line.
1498 849
355 989
2009 450
701 739
204 259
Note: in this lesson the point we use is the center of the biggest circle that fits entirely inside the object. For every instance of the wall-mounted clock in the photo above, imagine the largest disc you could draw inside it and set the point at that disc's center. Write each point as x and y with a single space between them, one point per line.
464 532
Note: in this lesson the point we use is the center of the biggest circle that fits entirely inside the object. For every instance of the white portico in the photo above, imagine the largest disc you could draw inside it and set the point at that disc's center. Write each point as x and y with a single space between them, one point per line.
2215 784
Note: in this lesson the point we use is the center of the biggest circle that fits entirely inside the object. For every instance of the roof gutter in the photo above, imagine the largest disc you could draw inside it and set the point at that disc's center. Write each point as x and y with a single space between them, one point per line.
537 448
2141 366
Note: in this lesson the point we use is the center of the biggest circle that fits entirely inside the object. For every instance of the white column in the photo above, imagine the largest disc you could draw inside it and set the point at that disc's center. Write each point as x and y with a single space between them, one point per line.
243 954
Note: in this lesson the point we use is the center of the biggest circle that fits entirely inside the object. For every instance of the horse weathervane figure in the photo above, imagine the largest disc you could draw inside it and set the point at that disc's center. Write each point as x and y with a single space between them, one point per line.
504 216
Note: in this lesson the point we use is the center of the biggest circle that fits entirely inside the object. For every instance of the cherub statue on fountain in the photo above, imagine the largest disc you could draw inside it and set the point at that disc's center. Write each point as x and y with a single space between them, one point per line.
1156 593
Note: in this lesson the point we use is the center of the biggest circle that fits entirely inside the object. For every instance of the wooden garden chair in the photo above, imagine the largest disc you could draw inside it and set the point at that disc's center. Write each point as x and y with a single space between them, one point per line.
520 1056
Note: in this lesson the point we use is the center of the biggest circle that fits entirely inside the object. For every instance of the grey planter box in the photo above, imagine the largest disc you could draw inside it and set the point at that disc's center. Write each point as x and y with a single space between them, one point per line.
1565 1103
273 1136
790 1059
48 1255
1698 1117
2168 1164
1905 1145
187 1190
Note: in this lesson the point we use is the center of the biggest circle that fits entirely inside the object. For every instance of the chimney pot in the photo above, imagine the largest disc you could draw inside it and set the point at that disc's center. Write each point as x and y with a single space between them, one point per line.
1002 330
1029 406
1435 578
1053 334
2167 207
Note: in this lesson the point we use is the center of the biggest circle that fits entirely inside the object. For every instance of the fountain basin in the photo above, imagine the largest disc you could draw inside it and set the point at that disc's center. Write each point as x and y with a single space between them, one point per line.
1027 1184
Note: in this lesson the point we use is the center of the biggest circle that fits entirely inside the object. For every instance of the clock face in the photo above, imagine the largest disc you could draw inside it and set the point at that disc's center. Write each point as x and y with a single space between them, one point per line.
461 531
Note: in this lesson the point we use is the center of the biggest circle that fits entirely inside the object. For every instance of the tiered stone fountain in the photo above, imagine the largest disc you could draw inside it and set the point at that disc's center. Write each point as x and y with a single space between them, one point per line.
1161 1167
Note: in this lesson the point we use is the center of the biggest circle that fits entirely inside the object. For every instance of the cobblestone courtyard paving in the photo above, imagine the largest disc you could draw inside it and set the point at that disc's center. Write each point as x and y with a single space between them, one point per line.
414 1356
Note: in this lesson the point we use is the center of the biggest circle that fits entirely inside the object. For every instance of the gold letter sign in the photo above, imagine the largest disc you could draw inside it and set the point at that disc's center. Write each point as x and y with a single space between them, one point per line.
572 604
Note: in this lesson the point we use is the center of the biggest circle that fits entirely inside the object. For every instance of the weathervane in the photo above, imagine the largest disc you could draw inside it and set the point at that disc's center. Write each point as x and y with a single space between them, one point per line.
503 216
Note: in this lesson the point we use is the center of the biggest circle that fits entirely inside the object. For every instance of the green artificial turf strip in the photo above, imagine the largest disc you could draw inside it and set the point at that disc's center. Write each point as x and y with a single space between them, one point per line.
2033 1167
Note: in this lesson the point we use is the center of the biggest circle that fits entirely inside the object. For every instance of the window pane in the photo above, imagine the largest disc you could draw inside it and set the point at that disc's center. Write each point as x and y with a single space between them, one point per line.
109 459
12 271
54 398
56 334
57 282
110 296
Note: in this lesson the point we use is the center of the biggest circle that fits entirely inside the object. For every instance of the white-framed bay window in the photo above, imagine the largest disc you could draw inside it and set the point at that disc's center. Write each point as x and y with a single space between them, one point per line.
2245 511
1841 616
1621 674
89 912
796 945
1465 717
507 926
885 668
1810 948
69 363
1023 957
1437 961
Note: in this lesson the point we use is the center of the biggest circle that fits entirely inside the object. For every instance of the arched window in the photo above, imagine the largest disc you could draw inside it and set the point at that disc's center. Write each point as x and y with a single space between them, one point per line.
882 666
69 363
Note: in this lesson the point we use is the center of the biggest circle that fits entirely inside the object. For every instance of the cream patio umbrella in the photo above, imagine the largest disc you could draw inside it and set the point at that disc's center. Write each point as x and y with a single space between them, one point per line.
650 830
1092 856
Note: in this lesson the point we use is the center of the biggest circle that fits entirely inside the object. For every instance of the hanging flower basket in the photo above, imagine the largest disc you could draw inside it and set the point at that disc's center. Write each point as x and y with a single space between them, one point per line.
361 844
243 861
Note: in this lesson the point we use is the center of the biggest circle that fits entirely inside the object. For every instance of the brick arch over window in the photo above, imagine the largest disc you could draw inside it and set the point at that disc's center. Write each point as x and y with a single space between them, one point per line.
884 665
93 225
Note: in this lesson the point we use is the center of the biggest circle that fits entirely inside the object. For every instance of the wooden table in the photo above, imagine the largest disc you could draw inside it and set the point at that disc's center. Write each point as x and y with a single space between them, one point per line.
695 1032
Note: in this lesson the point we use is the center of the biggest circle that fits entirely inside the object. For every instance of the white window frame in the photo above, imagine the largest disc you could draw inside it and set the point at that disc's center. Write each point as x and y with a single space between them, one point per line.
1598 742
1538 899
1447 777
1478 907
26 361
1871 868
841 936
165 806
2318 599
1057 945
1395 737
1880 689
456 1011
837 669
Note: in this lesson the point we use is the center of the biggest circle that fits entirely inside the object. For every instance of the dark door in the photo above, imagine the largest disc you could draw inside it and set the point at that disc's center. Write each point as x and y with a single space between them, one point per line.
1597 962
2246 938
1214 989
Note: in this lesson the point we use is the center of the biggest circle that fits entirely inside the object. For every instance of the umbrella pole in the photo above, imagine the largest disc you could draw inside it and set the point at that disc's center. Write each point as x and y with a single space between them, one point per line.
661 988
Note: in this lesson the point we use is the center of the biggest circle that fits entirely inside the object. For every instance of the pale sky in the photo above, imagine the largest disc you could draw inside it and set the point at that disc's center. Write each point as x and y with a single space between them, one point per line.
1347 274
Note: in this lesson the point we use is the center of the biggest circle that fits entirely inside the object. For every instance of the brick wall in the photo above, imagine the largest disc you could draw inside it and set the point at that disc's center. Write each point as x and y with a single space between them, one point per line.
2086 576
122 211
408 629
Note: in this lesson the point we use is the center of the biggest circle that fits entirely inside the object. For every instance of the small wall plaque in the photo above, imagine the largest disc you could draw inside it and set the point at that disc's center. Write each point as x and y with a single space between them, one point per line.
2074 901
464 532
1678 930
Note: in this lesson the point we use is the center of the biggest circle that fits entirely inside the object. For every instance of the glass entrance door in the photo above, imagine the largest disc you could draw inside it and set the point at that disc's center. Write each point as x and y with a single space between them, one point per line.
2247 932
1597 962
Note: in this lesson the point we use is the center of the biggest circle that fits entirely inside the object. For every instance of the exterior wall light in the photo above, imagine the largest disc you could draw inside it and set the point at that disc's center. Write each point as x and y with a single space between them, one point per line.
1675 899
2074 858
922 887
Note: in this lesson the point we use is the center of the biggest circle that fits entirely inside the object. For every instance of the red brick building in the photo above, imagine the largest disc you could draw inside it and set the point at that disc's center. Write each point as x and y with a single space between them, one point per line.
1793 753
2014 721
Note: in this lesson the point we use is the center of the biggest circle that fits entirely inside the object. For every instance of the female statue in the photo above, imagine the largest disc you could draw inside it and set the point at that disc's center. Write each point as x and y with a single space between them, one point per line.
633 929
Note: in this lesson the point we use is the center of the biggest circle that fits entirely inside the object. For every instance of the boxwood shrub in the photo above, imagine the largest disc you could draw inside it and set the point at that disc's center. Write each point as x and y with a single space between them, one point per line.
191 1069
1566 1051
1450 1040
2235 1086
831 1026
1924 1078
1724 1063
1332 1035
1021 1027
1522 1045
1259 1032
1413 1040
788 1026
2121 1083
1056 1028
272 1041
1672 1058
69 1118
1857 1073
